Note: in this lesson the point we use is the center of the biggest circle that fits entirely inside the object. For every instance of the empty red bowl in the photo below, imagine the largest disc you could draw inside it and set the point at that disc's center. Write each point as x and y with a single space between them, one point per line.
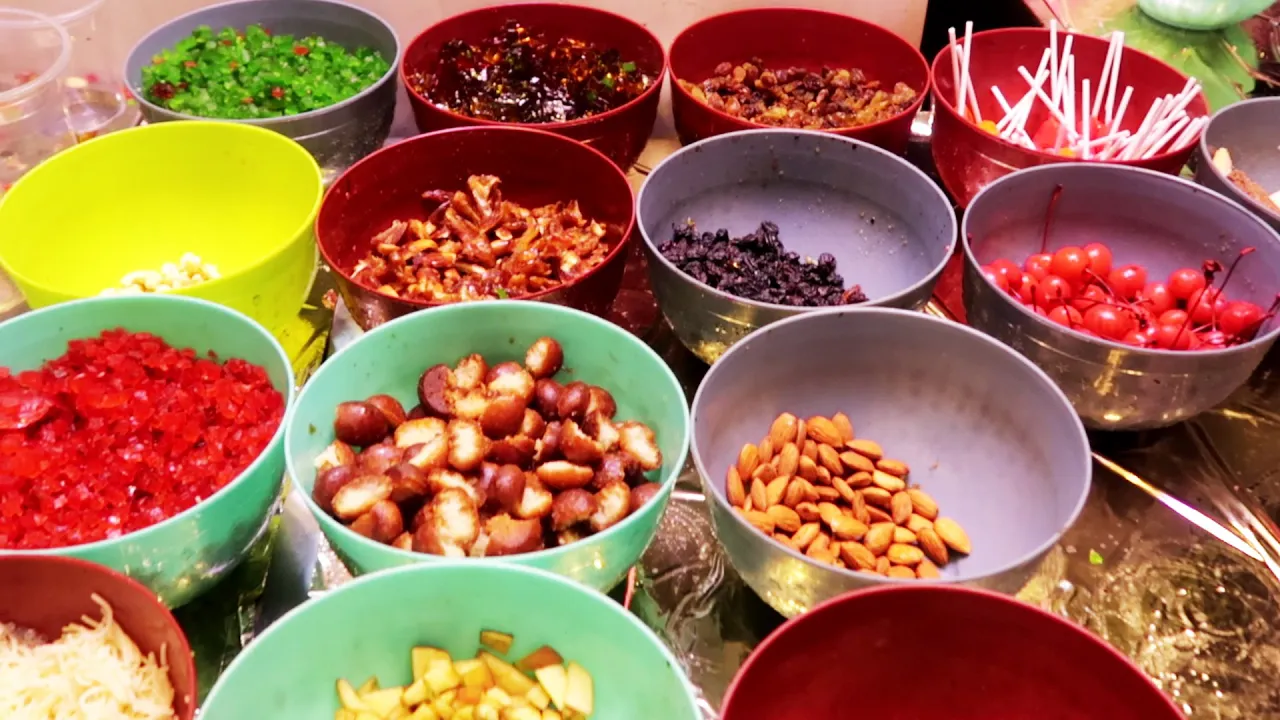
535 168
938 651
45 593
620 134
970 158
793 37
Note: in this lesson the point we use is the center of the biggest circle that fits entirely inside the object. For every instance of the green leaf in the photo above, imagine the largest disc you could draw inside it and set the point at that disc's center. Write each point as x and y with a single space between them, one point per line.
502 293
1095 557
628 67
607 81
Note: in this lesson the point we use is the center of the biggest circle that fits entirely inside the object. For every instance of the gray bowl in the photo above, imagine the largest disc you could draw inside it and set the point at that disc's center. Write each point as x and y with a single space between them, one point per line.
889 227
1248 131
337 135
986 433
1157 220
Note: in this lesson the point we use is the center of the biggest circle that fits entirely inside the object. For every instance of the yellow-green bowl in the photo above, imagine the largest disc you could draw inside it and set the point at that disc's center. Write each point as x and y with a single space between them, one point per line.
240 197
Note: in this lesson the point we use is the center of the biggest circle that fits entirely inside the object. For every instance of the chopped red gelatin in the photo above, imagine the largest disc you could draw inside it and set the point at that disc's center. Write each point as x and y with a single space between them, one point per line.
120 433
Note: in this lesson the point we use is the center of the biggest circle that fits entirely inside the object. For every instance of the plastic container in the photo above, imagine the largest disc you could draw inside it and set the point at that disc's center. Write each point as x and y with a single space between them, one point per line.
34 53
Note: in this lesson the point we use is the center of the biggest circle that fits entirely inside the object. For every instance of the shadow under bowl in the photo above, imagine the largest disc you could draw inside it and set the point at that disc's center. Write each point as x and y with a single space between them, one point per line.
989 656
784 38
1247 131
620 133
535 168
889 227
969 158
1155 220
986 433
337 135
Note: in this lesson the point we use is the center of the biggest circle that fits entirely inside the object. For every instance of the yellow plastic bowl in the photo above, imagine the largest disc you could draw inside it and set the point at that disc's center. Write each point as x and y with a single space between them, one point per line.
240 197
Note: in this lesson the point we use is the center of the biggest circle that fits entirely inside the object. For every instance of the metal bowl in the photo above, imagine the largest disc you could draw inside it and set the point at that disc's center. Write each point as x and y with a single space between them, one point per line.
337 135
797 37
988 434
889 227
1247 130
1158 220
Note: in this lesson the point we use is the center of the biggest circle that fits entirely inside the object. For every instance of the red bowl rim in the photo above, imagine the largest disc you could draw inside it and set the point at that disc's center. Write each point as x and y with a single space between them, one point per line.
620 246
910 111
654 87
173 656
949 106
1010 604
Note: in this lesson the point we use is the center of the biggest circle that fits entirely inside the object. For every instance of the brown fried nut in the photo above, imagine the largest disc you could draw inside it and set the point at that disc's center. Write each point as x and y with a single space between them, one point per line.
619 467
469 372
548 446
544 358
328 482
637 440
434 388
408 483
452 525
423 431
469 404
511 536
571 507
561 475
364 525
503 415
417 412
358 496
602 403
336 455
378 459
643 493
403 542
613 503
360 424
784 518
442 479
602 430
546 397
391 409
514 450
388 523
509 378
574 400
532 425
536 501
467 445
507 487
577 446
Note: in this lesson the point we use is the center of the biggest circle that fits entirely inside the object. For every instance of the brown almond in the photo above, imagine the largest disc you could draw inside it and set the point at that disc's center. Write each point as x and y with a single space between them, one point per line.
888 482
916 523
827 493
904 536
805 535
829 512
824 431
774 491
830 459
869 449
923 505
807 469
765 473
802 433
953 535
857 463
900 554
764 451
784 518
877 496
859 479
846 492
735 492
933 547
927 570
783 538
845 527
748 460
761 521
901 572
811 492
857 505
824 476
883 566
876 515
783 429
819 546
843 426
759 495
878 538
900 508
808 512
795 493
896 468
857 556
788 459
809 449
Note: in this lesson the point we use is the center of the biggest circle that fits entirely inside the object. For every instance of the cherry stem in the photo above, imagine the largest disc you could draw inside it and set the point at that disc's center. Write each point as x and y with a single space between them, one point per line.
1231 270
1048 218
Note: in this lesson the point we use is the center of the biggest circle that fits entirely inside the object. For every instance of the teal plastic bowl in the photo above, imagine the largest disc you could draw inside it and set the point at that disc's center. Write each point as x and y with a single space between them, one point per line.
190 552
367 628
390 358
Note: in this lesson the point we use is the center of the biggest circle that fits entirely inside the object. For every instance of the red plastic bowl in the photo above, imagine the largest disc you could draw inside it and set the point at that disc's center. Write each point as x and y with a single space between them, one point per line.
535 167
938 651
793 37
969 158
46 593
620 134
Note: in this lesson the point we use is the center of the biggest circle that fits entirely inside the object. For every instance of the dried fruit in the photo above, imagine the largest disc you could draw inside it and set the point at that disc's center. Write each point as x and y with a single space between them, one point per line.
953 535
933 546
824 431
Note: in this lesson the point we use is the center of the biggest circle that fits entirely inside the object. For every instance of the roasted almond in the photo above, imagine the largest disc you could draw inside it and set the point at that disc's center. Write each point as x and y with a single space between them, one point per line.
883 565
904 536
857 505
765 473
788 460
824 431
764 451
876 515
857 463
784 518
775 490
759 494
916 523
783 538
824 476
843 426
809 449
923 505
888 482
735 492
927 570
953 535
879 537
795 493
857 556
897 468
901 572
830 459
783 429
877 496
748 460
808 512
900 554
847 493
859 479
802 433
933 547
761 521
869 449
819 546
805 535
829 512
845 527
900 508
807 469
827 493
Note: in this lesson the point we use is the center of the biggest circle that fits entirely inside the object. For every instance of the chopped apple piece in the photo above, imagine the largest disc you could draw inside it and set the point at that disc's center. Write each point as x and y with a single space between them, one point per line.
425 712
580 695
555 681
542 657
474 673
366 715
521 713
498 642
421 659
551 715
417 693
488 712
369 686
469 696
382 702
441 676
506 676
499 697
539 698
349 698
466 712
398 713
344 714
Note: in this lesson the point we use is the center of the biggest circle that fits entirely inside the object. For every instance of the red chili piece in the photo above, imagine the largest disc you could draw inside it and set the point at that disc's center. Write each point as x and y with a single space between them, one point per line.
301 50
135 432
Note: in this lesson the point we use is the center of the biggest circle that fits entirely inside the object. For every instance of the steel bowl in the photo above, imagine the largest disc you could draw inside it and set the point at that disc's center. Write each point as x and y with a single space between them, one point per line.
47 593
889 227
978 654
337 135
988 434
793 37
1157 220
535 167
1247 130
620 133
969 158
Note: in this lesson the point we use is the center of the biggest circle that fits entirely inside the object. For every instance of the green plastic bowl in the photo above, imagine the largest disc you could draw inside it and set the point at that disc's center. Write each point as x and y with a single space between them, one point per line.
367 627
390 358
188 553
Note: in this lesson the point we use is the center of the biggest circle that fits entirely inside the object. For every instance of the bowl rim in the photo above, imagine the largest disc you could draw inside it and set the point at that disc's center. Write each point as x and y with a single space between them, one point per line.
671 465
418 99
619 246
1081 440
744 124
21 18
181 655
447 566
940 99
307 224
139 94
1206 153
196 306
819 136
1212 195
1008 604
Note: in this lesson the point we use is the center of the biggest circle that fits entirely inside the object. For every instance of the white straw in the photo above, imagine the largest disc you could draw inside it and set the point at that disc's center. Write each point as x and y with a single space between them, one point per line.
1057 114
1022 108
1152 113
1053 60
1069 95
1096 102
1165 138
1115 75
964 71
1118 120
1004 104
955 69
1189 134
1084 120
